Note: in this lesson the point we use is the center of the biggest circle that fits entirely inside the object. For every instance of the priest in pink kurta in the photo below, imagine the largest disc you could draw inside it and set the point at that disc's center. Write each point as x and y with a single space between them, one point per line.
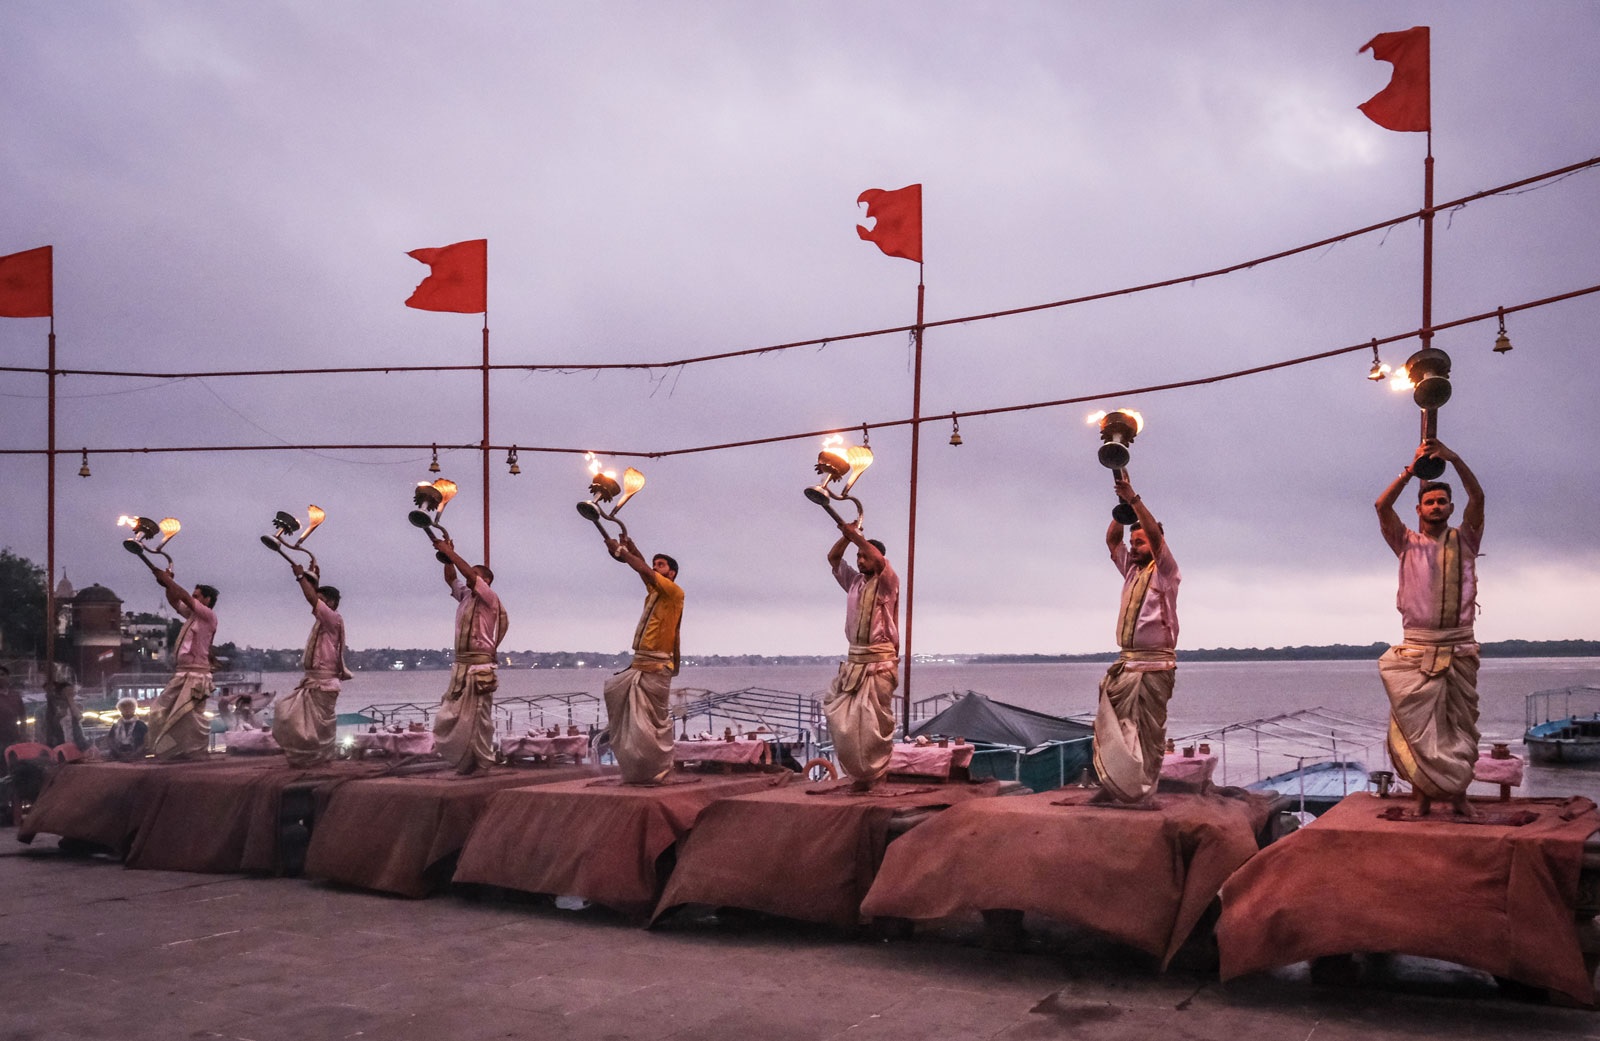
304 723
1130 725
179 728
463 728
1431 676
859 706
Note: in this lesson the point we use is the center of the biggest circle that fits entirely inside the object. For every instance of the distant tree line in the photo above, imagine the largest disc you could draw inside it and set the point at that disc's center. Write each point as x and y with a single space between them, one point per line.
1317 652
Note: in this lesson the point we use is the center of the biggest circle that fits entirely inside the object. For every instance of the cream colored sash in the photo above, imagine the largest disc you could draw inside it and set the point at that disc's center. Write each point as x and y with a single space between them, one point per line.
869 599
1448 592
1132 603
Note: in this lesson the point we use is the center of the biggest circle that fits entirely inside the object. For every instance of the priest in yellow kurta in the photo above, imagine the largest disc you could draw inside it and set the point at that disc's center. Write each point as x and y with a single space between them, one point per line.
638 698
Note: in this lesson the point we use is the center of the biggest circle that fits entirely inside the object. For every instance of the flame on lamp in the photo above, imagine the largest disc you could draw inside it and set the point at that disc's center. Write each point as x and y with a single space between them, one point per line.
1134 414
834 458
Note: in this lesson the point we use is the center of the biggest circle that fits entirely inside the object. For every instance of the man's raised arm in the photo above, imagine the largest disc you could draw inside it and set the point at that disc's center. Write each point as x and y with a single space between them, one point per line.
1147 520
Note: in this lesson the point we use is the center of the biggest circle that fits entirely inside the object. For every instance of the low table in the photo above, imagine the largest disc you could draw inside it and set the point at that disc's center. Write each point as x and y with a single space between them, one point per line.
410 742
929 760
741 751
540 746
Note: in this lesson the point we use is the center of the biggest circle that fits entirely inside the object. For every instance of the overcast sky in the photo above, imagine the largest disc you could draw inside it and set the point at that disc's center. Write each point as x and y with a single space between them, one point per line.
235 185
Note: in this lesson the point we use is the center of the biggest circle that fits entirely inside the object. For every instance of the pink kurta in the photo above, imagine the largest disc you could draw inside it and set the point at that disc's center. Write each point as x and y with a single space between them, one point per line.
194 640
1157 627
1420 563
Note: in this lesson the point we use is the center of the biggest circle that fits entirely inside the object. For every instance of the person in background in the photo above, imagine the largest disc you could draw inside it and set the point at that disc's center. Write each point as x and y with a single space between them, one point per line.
126 741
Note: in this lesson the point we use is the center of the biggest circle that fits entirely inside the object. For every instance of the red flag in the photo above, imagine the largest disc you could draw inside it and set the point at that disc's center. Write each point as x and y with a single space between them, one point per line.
459 280
898 231
1405 104
25 284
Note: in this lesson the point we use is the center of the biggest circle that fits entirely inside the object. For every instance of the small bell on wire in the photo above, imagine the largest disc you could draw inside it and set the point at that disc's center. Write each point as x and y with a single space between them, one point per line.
1379 370
511 460
955 430
433 467
83 471
1502 342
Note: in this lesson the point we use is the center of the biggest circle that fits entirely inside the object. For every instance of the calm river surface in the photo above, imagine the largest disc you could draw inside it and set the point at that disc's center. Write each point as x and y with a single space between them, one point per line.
1209 694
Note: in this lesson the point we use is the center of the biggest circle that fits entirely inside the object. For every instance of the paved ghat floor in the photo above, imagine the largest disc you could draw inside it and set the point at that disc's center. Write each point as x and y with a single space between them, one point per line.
91 950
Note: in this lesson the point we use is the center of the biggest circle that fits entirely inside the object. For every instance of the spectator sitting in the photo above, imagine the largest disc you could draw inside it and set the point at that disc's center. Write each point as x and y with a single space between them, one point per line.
126 741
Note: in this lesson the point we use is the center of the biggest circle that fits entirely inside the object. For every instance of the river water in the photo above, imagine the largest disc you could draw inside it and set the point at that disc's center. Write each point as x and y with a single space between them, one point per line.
1209 695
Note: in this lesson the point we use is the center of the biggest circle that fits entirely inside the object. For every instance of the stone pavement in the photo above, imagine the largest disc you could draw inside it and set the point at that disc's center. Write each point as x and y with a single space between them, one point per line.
91 950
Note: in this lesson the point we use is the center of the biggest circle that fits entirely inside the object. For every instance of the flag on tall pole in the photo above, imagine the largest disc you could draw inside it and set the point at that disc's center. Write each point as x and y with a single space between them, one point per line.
1405 104
458 280
26 290
897 230
898 216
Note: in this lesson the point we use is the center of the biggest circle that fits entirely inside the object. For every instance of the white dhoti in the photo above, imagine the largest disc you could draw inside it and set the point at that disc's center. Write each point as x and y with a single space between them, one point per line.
303 723
463 729
860 710
179 728
1432 682
637 708
1130 725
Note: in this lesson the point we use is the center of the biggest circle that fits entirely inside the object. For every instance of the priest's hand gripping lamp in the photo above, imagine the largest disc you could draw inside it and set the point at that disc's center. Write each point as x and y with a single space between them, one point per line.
145 529
840 460
1427 376
287 525
604 488
432 497
1118 428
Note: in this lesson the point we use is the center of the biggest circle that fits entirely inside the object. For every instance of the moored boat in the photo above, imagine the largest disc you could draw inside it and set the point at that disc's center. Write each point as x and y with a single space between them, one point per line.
1563 725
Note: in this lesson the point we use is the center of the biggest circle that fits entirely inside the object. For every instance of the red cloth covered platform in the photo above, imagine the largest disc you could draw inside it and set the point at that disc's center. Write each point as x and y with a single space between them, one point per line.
400 834
597 840
1143 877
1492 897
103 803
231 818
802 851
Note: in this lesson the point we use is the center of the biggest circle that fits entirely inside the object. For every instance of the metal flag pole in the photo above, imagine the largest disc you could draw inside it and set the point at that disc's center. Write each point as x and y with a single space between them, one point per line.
911 524
1427 244
50 517
484 445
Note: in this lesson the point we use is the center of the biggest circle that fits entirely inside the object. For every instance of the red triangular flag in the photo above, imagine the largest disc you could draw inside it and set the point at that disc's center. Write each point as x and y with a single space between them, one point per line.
1405 104
898 231
25 284
459 280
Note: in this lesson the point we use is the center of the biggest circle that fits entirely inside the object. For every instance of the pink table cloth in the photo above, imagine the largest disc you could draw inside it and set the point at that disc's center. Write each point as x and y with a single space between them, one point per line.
251 742
742 750
576 746
407 743
928 760
1498 771
1194 769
